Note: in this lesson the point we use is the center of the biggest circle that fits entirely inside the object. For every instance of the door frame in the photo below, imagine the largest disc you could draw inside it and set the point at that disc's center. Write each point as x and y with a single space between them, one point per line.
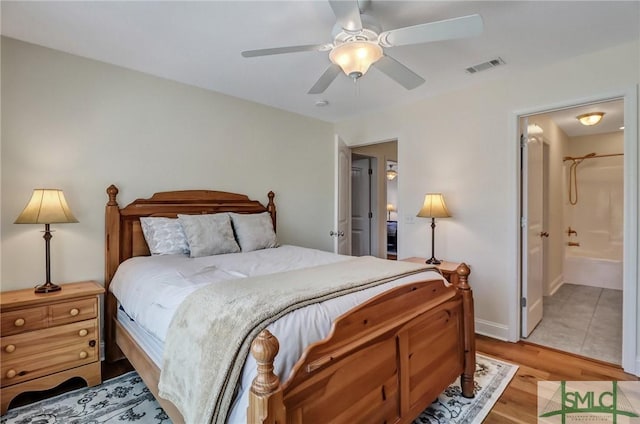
378 236
631 257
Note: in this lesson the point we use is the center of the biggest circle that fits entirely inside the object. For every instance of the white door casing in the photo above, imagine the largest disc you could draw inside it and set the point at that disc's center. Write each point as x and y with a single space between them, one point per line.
532 228
342 223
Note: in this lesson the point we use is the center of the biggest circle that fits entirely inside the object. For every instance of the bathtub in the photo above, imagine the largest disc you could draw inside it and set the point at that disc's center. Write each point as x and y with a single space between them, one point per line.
594 268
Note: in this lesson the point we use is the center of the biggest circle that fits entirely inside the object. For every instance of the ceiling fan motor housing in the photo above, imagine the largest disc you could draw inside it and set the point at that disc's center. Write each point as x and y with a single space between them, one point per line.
370 30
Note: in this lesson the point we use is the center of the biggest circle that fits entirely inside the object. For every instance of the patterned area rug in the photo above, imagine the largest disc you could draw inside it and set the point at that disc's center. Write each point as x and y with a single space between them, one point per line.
127 399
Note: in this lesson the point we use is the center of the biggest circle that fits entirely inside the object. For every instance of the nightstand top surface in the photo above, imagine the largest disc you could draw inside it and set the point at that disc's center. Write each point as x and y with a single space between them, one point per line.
27 297
444 265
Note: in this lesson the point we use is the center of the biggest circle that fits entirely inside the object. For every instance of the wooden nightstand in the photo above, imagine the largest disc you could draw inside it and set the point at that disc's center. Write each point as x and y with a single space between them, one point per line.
448 269
49 338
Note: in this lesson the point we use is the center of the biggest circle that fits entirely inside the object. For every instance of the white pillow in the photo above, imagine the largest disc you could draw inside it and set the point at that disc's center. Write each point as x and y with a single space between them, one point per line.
209 234
254 231
164 236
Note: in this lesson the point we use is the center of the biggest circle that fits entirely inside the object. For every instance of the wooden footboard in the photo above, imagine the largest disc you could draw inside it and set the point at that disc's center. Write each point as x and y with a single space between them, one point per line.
384 361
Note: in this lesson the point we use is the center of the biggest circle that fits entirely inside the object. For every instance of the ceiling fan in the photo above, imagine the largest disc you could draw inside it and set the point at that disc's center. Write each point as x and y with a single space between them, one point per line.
359 43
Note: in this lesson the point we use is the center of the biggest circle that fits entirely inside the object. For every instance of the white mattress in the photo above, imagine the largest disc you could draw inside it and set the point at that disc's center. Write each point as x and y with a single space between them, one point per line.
151 345
151 288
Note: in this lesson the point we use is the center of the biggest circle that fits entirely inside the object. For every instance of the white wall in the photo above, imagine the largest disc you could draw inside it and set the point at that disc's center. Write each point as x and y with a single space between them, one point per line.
463 144
81 125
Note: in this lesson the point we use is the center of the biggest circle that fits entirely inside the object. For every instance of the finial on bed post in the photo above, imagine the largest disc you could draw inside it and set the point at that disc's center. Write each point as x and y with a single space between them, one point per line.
266 404
271 207
466 379
112 191
463 272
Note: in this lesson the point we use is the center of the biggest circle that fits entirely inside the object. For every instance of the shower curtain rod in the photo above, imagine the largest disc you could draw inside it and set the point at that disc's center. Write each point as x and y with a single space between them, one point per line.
591 157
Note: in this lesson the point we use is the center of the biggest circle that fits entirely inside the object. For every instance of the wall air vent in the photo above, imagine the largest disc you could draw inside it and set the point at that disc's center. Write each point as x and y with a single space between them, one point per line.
485 65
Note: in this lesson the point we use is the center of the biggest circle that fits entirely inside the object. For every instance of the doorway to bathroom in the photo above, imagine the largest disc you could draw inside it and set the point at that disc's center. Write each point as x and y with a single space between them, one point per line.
572 229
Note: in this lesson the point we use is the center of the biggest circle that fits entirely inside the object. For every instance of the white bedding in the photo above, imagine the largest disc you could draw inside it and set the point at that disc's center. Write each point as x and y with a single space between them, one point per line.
150 289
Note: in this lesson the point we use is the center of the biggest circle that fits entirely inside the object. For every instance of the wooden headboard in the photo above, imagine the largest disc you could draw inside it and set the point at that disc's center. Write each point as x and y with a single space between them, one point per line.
123 233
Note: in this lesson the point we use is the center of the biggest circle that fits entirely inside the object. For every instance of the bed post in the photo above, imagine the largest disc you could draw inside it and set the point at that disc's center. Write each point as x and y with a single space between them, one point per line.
466 379
271 207
266 402
112 260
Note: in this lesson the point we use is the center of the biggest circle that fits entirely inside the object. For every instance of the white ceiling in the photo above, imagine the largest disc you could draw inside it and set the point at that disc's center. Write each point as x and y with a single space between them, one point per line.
199 43
612 120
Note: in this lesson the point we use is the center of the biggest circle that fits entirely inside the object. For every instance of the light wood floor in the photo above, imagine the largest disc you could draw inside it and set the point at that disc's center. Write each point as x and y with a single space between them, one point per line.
518 404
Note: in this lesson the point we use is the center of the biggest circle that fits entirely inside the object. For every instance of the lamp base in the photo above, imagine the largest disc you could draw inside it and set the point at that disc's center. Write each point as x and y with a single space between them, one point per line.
47 288
433 261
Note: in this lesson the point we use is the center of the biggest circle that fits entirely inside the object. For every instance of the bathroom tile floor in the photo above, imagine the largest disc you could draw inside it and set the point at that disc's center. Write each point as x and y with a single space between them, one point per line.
583 320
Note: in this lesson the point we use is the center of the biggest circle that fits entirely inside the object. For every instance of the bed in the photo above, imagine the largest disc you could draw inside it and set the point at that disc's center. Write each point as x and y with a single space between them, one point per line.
384 360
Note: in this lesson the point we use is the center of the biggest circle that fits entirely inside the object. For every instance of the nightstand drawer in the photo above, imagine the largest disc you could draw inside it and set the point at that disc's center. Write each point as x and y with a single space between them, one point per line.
27 319
72 311
42 352
22 345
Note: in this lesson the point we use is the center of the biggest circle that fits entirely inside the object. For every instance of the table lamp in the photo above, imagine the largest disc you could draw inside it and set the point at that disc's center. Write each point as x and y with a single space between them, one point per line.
390 208
47 206
433 207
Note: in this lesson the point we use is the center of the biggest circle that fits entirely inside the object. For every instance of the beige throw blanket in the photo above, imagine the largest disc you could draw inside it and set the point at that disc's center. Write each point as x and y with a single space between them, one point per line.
212 330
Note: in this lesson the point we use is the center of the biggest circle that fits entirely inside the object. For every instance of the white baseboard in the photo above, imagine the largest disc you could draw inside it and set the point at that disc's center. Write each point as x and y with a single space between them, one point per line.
556 284
492 329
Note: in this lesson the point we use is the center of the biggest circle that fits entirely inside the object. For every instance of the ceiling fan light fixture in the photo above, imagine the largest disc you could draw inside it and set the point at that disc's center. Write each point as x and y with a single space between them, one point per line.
591 118
355 57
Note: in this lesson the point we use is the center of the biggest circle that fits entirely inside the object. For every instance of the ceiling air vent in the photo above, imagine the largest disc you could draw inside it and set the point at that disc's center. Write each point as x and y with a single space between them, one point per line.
485 65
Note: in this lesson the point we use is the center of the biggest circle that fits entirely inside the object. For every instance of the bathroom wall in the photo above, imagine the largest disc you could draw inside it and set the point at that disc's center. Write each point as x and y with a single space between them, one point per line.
598 214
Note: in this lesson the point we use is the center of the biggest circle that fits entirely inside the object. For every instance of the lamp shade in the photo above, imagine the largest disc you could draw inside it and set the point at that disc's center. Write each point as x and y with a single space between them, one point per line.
391 173
355 57
434 207
391 207
47 206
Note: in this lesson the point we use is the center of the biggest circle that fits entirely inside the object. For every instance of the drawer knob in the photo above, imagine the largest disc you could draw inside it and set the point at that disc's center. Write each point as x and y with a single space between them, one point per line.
11 373
83 354
82 332
19 322
10 348
74 312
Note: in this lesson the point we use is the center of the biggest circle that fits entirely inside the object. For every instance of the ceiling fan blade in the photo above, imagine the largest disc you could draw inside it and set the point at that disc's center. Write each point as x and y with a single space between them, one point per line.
326 79
347 14
465 26
399 73
290 49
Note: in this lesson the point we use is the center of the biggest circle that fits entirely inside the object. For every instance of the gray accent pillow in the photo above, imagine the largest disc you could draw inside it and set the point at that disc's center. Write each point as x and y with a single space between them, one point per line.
254 231
164 236
209 234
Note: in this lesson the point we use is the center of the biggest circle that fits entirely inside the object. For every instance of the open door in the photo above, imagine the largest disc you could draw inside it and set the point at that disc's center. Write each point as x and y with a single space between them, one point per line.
531 143
342 223
361 208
